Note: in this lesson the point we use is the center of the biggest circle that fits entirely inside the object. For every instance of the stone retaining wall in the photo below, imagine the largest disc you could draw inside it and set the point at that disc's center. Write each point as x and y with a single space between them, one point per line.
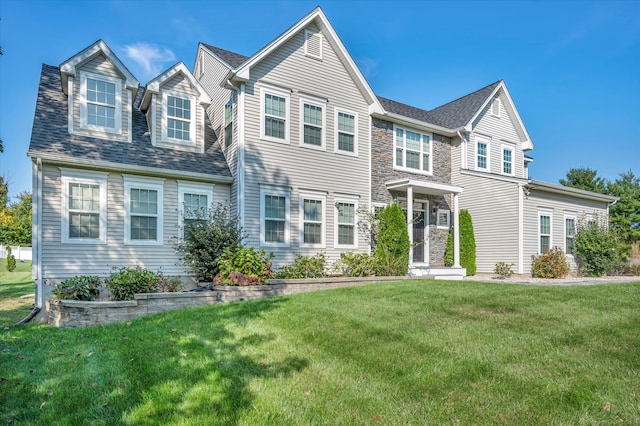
74 313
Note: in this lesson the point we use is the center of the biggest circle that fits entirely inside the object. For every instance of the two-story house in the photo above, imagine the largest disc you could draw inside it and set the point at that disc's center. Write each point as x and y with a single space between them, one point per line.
295 142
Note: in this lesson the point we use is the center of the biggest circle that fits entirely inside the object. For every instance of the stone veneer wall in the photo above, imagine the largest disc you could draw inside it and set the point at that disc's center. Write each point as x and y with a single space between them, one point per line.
74 313
382 140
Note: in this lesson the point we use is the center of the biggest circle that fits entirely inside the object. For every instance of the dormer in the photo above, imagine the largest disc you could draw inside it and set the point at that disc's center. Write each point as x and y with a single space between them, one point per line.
100 92
174 104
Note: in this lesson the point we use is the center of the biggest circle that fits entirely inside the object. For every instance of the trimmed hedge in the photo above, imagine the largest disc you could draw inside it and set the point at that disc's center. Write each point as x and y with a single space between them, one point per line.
392 246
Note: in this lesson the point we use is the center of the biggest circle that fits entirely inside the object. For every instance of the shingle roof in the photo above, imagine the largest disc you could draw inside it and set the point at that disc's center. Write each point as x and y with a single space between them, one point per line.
459 112
50 138
406 110
231 58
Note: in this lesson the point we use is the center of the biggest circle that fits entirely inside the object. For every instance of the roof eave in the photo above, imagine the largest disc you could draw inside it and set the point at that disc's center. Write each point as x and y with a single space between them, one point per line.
398 118
578 193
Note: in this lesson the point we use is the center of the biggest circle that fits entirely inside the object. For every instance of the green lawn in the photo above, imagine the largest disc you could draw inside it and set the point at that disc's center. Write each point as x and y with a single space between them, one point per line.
12 286
403 353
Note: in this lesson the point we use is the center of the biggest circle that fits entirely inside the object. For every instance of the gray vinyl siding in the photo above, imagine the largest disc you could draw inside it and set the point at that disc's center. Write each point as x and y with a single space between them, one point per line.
60 261
102 66
299 168
493 205
499 131
558 206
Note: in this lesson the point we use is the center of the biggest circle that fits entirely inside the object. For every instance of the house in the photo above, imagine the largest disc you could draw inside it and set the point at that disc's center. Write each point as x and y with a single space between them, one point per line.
295 142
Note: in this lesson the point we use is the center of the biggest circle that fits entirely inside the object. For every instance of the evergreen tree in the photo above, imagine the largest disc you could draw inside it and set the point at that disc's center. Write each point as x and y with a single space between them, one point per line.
392 246
467 244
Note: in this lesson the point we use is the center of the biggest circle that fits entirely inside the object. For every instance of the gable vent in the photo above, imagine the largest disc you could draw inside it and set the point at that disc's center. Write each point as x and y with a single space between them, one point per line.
313 44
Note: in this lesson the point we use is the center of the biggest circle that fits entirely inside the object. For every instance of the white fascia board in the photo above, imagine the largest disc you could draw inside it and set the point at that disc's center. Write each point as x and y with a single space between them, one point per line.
179 68
571 192
412 122
469 126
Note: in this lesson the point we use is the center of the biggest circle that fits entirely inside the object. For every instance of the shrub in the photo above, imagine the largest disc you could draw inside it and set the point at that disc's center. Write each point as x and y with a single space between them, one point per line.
81 287
503 269
467 244
244 266
129 281
11 260
600 250
205 240
356 264
552 264
392 245
169 284
304 267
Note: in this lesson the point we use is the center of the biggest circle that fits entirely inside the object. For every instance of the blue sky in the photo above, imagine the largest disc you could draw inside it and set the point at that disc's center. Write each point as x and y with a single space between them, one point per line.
572 67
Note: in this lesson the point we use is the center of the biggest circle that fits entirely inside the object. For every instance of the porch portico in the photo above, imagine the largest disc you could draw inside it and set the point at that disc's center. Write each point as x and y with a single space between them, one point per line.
414 189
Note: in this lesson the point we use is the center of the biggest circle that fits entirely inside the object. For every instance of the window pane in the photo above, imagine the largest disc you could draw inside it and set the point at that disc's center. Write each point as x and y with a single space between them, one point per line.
313 115
400 137
144 201
426 143
274 207
545 225
312 135
544 243
346 235
275 105
195 206
101 92
313 210
143 228
178 107
413 160
425 162
413 141
399 157
84 225
274 231
98 115
178 129
346 213
274 128
345 142
346 122
312 233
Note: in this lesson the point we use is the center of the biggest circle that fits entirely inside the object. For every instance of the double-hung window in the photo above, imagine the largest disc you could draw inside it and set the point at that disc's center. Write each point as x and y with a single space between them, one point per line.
569 233
84 201
143 210
346 223
544 231
346 132
101 108
178 118
507 160
274 217
228 123
413 151
312 220
312 123
194 199
482 154
275 114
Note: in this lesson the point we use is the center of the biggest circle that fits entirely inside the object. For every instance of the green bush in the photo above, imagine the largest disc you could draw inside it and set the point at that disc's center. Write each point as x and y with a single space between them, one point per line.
467 244
81 287
392 245
600 249
503 269
243 266
356 264
205 240
11 260
304 267
552 264
129 281
169 284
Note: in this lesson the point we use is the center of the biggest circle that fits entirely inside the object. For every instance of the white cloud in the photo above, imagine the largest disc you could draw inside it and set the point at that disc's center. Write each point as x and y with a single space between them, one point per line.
148 57
368 66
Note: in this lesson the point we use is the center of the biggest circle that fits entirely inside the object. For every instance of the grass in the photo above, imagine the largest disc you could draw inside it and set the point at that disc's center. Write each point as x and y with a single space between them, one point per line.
404 353
12 286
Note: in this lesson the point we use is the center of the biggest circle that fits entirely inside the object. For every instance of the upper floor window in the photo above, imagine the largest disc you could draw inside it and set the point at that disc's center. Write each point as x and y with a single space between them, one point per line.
143 210
482 154
178 118
274 217
507 160
84 217
275 115
495 107
101 107
413 151
346 132
228 123
312 121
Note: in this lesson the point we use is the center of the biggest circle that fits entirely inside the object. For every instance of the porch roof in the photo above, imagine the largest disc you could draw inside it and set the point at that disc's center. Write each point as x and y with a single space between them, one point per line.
423 187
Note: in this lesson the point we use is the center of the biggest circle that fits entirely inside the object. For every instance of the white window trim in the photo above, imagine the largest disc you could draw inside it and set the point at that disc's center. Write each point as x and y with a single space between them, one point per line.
480 140
575 229
323 128
117 116
308 35
138 182
355 132
543 212
93 178
269 90
348 200
279 192
165 118
446 225
192 188
404 148
316 197
495 104
513 163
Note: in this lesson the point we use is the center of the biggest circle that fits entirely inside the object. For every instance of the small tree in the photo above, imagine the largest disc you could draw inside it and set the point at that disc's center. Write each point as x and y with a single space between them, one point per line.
392 245
599 248
467 244
205 240
11 260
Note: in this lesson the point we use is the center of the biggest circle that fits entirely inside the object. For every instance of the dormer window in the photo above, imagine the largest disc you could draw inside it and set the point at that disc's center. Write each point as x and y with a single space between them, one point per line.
101 108
178 118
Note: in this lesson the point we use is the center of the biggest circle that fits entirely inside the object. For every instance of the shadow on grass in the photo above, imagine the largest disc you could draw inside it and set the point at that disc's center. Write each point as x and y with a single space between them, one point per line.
196 365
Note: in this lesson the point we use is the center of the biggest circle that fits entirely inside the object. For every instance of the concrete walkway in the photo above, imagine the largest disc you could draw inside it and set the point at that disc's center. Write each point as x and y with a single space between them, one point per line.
568 281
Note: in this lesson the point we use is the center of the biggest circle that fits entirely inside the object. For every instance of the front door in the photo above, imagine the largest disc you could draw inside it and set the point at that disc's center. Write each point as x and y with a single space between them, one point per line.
419 239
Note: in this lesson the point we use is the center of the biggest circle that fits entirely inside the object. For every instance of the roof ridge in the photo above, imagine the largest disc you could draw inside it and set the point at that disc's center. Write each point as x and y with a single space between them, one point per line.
495 83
